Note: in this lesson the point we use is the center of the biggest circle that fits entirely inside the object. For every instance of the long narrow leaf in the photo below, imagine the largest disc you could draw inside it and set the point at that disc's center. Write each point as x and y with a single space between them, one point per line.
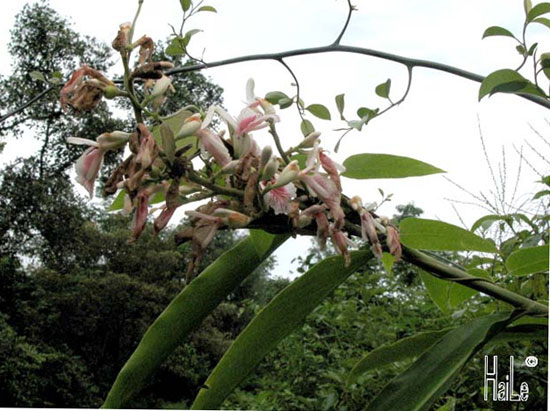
185 313
398 351
433 372
278 319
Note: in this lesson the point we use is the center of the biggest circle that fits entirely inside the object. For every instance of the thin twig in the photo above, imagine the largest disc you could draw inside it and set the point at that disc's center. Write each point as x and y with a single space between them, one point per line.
27 104
273 132
350 11
297 83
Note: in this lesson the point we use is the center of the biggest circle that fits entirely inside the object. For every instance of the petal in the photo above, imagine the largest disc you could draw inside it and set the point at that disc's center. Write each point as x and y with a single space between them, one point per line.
82 141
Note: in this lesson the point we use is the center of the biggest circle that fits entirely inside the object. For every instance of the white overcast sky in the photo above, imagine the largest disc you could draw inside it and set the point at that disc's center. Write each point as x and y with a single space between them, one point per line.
438 123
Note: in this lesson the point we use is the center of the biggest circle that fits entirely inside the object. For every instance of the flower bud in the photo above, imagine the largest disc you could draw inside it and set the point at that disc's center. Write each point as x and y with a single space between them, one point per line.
161 86
309 140
265 156
231 218
113 140
288 175
190 126
110 92
270 169
230 167
356 203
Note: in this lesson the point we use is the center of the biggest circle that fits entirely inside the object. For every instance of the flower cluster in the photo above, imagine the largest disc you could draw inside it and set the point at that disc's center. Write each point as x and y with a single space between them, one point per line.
243 181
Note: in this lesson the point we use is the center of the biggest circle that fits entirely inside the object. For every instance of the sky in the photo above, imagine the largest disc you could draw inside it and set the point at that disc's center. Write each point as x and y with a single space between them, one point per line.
440 122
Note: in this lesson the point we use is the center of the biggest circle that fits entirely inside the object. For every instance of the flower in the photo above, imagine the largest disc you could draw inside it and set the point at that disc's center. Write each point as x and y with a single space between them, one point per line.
279 198
210 142
148 149
89 163
328 192
341 242
249 119
87 168
81 94
368 232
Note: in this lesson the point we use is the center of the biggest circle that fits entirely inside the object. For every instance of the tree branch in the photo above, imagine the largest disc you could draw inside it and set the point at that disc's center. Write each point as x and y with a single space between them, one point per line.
350 10
27 104
409 62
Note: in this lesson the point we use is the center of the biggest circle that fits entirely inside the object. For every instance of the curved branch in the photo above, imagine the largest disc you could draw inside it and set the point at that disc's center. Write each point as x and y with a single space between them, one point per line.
27 104
300 109
350 10
407 61
279 224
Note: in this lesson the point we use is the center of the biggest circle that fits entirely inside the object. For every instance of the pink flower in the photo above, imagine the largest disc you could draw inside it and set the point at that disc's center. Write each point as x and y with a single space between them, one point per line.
328 192
140 218
148 149
279 198
162 220
213 144
368 232
87 168
83 94
89 163
341 241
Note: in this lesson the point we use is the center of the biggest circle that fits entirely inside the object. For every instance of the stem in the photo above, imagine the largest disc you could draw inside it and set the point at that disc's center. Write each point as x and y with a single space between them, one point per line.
410 62
131 34
28 103
350 10
300 109
448 272
129 85
273 132
232 192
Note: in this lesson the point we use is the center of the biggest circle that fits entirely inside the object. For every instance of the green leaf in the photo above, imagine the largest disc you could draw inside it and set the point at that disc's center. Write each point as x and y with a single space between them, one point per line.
340 105
191 33
524 332
387 262
398 351
176 47
118 202
261 240
175 121
306 127
545 64
274 322
497 31
434 371
437 235
541 194
521 50
37 75
538 10
285 103
486 221
507 81
207 8
318 110
274 96
369 165
366 114
447 294
184 314
383 90
185 4
542 20
528 260
527 6
168 142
